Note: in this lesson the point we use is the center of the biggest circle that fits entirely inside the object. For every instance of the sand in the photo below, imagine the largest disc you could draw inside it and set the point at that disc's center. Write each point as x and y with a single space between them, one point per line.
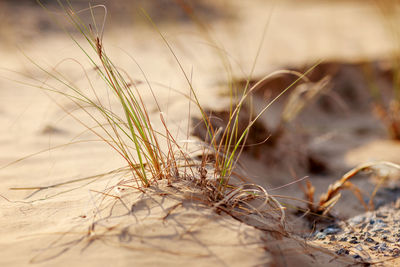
75 224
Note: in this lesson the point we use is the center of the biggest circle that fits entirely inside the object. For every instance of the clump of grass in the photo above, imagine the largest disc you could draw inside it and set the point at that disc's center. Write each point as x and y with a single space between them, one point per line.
134 138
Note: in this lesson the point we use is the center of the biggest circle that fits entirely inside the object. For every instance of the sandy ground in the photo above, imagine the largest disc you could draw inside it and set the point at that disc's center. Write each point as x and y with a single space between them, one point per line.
74 224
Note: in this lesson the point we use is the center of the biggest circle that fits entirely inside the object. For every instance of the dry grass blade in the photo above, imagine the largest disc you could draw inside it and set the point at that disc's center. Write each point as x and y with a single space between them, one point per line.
332 195
302 96
238 201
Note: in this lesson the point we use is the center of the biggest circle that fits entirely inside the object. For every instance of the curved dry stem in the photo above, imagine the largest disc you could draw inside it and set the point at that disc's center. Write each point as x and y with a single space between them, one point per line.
329 199
244 193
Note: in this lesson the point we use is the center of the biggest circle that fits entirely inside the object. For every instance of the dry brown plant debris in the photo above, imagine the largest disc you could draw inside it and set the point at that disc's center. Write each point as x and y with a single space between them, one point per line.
328 200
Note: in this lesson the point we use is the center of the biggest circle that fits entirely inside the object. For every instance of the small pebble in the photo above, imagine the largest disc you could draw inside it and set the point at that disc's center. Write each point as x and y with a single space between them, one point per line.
332 229
382 247
359 247
379 225
369 240
380 215
357 220
320 235
342 251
